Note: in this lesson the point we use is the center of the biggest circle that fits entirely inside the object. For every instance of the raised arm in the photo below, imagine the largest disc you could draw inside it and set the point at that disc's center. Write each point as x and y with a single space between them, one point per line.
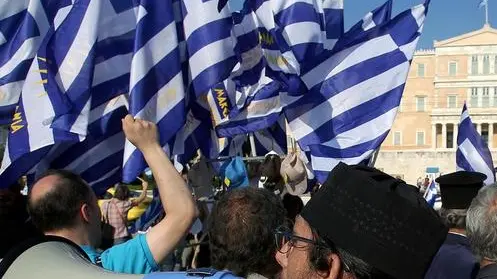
143 195
175 196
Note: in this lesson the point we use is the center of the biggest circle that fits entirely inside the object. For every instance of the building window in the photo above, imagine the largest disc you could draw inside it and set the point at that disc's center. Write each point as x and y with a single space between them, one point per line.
495 65
486 65
450 136
485 99
474 97
474 65
397 138
452 101
420 138
484 132
421 70
420 104
452 68
495 95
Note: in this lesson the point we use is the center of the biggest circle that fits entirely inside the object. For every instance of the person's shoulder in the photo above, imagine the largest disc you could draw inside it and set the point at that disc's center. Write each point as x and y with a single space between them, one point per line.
133 256
91 252
486 272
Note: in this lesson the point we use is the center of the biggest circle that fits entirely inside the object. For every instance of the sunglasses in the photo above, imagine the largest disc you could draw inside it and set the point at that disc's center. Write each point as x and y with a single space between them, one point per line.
286 239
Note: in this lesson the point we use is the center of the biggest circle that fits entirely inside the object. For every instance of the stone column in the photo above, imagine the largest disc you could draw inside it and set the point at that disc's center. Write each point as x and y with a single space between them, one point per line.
455 132
491 135
434 136
444 135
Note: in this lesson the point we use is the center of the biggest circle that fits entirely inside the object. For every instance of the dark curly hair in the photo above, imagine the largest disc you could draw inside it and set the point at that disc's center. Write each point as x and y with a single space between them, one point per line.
319 261
241 232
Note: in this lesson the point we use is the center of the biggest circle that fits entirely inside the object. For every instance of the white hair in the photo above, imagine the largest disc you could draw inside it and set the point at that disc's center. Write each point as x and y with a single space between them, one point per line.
481 223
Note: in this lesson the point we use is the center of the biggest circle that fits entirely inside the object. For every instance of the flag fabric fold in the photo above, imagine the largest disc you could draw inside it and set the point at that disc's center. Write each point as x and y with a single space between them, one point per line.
357 88
157 88
472 151
23 26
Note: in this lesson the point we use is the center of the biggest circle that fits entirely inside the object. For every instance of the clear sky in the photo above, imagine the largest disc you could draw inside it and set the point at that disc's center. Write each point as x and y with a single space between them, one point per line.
446 18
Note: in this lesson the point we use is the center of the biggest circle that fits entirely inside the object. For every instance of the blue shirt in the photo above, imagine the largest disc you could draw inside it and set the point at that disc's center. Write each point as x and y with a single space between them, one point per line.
131 257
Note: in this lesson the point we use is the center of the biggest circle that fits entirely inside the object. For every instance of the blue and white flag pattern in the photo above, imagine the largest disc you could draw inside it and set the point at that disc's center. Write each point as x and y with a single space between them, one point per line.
372 19
23 25
165 56
209 43
431 194
272 139
157 88
355 93
36 141
472 151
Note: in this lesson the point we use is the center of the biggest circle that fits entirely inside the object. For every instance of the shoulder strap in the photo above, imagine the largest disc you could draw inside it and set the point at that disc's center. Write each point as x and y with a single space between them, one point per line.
106 216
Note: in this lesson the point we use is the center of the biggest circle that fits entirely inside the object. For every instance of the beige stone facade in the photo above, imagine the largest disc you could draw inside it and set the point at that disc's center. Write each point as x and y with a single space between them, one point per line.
457 70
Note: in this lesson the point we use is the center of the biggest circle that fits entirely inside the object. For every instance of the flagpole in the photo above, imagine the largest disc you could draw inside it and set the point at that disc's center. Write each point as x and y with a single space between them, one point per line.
372 162
486 12
252 145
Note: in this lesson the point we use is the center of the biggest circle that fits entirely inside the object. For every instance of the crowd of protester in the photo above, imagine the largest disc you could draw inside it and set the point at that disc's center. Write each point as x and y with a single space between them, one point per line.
361 223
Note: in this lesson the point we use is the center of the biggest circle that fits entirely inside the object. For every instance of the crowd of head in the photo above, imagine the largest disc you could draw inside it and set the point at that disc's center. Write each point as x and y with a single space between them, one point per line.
361 223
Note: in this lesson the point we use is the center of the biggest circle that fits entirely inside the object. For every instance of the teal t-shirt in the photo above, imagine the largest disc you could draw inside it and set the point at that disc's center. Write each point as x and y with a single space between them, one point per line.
131 257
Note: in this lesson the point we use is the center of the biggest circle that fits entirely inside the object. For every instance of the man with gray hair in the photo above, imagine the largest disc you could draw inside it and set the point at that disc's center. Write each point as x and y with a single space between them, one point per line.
455 260
481 225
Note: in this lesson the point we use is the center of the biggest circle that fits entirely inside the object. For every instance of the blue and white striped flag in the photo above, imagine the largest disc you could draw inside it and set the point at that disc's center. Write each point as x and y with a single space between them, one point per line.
157 88
431 194
37 142
334 21
23 25
355 93
209 43
472 151
272 139
291 31
98 159
244 110
376 17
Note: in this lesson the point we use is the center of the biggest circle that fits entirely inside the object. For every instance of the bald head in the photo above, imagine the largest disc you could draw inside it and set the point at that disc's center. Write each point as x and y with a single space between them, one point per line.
55 200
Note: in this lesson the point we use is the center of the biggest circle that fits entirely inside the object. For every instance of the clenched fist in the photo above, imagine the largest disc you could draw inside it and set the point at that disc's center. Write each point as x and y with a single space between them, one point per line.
141 133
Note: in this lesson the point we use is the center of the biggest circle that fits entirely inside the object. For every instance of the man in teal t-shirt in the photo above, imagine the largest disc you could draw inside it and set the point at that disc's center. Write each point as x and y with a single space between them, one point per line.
61 203
132 257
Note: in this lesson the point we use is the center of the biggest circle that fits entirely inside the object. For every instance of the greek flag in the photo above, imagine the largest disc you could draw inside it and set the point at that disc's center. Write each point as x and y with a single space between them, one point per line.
357 89
23 25
98 159
39 139
292 31
431 194
209 43
245 110
376 17
157 88
472 151
334 21
272 139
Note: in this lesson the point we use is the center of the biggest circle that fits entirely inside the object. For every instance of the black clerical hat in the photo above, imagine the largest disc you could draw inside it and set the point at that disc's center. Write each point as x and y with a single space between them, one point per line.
376 218
459 188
